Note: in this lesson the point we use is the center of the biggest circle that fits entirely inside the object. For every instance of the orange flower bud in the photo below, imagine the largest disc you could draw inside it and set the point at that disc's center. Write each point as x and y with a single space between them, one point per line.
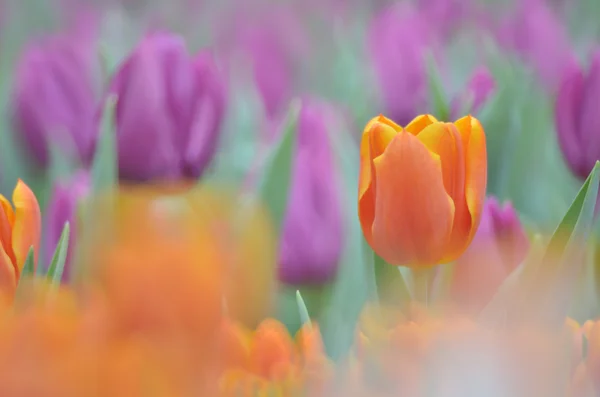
421 188
20 229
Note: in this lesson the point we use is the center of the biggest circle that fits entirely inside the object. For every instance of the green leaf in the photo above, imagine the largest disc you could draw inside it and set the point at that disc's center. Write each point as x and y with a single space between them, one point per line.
105 166
276 180
355 281
304 316
57 266
437 93
543 287
391 285
29 266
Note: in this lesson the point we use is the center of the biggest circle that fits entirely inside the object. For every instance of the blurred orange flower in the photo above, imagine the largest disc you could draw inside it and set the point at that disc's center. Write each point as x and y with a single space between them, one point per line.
20 229
269 361
421 188
439 353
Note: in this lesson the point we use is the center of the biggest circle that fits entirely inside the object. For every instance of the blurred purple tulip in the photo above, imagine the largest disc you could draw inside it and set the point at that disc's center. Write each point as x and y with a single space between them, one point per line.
479 88
539 36
55 94
169 110
311 241
398 40
273 41
499 247
448 14
577 117
62 207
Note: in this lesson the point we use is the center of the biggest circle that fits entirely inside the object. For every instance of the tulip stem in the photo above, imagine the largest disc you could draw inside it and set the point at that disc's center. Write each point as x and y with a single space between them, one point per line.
421 282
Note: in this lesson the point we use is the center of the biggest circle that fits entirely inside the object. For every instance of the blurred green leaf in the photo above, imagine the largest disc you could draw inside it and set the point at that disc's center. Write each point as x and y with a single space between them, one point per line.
57 266
355 281
391 285
29 265
544 286
275 183
304 316
105 171
437 92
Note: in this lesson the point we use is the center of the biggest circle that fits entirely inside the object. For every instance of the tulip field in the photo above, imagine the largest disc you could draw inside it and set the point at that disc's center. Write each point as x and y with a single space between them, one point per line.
320 198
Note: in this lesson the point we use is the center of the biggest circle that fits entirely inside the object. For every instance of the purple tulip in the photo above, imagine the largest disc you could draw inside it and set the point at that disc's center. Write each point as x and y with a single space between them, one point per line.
62 207
55 95
577 117
449 14
537 34
311 241
499 247
399 39
169 111
272 40
480 87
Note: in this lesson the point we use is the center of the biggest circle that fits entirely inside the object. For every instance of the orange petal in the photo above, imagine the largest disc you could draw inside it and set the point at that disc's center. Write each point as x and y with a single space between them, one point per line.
6 213
419 123
8 277
473 137
8 209
445 140
413 212
234 345
271 348
378 133
309 342
28 223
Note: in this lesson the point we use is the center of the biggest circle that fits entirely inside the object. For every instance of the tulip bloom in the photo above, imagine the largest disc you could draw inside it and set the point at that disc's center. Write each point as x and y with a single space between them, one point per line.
421 188
399 39
539 36
479 88
311 243
269 360
499 247
169 110
577 118
55 96
20 229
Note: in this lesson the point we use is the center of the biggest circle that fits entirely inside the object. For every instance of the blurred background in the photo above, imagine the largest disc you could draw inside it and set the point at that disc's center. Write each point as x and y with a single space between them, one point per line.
198 107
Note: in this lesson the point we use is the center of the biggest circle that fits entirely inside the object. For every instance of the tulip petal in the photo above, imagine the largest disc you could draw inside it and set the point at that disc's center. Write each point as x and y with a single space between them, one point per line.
28 223
8 277
413 213
420 123
8 210
271 347
6 213
589 117
445 140
378 133
568 104
473 138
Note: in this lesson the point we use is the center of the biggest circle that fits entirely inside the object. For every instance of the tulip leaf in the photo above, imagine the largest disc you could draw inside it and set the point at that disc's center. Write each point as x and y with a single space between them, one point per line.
57 266
105 166
275 184
29 265
304 316
439 102
355 280
563 260
544 285
391 285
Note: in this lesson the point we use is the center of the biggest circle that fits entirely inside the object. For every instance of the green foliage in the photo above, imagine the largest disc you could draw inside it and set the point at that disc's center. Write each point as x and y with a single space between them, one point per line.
57 266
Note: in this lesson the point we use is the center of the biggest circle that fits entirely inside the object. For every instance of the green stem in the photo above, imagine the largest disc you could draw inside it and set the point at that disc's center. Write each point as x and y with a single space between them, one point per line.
422 284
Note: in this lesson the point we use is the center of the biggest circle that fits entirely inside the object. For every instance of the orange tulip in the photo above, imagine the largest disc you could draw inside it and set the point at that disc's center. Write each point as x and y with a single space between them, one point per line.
421 188
20 229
